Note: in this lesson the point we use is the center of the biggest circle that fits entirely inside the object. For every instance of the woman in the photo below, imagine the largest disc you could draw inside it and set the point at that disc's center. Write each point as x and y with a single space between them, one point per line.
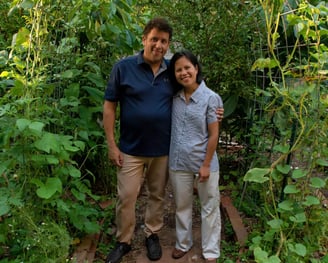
194 138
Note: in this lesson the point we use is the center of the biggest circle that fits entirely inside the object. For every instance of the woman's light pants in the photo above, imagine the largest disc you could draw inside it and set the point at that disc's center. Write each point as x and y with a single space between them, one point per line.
209 195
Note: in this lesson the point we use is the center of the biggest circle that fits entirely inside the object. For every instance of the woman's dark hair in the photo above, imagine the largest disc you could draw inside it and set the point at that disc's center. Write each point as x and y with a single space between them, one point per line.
159 23
192 58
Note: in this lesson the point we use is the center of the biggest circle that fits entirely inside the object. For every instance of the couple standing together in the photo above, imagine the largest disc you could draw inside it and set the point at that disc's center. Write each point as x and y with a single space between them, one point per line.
160 137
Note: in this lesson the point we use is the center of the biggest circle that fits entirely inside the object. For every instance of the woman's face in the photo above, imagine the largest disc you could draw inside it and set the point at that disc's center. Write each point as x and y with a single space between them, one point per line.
185 72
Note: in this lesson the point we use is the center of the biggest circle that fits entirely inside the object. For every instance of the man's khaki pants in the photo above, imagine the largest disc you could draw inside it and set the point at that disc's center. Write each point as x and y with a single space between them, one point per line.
154 172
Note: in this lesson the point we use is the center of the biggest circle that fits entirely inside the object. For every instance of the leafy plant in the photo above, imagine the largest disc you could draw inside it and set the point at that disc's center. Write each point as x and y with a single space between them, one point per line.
296 224
53 149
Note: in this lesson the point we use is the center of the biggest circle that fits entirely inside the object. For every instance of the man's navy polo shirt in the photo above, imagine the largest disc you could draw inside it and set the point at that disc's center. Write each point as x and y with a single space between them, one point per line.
145 106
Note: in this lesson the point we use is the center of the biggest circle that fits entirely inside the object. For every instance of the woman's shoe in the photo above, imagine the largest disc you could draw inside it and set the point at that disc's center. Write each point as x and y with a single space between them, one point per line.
177 253
212 260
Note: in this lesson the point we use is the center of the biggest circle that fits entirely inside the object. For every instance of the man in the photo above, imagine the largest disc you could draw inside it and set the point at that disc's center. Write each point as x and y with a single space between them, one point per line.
140 84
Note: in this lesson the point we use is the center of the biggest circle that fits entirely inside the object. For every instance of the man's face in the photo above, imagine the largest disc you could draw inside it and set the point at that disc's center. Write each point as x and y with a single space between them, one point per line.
156 43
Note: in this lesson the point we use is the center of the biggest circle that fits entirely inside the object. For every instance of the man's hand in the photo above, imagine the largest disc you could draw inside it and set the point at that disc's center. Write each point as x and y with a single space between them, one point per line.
115 155
219 114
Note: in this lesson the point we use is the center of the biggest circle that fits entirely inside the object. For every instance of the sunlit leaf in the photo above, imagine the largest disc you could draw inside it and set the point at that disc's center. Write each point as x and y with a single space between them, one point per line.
284 169
291 189
262 63
48 143
275 223
322 162
300 249
298 218
286 205
74 172
48 189
311 200
22 124
260 255
317 182
281 148
298 173
257 175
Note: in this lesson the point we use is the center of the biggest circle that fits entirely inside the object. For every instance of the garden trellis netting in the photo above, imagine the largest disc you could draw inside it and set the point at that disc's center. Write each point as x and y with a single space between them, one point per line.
288 133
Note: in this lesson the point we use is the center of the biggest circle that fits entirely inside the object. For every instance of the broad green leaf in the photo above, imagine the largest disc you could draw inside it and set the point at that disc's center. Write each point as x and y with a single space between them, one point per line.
43 159
51 186
84 135
317 182
291 189
230 104
74 172
96 79
284 169
299 173
27 4
73 90
324 259
91 226
70 73
275 223
260 255
22 124
300 249
22 37
257 175
79 144
298 218
4 74
311 200
322 162
263 63
37 182
71 148
277 176
286 205
4 208
273 259
62 205
48 143
257 240
96 94
78 195
281 148
37 126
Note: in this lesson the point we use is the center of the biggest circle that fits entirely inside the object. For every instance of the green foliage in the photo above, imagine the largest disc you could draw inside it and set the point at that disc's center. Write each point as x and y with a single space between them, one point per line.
296 223
53 151
34 241
215 33
225 35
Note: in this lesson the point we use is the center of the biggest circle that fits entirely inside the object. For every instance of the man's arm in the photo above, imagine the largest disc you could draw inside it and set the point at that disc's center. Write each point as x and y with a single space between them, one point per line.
109 117
213 137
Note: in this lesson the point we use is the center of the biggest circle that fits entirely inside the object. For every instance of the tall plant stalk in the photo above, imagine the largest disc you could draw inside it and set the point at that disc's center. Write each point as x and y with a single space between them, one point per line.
296 98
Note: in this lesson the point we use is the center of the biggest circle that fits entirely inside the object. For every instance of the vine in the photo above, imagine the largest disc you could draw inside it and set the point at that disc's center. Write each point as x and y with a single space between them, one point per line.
298 100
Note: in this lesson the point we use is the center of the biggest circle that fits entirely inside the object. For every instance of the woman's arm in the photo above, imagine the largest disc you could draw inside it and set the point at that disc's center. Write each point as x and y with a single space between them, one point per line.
213 136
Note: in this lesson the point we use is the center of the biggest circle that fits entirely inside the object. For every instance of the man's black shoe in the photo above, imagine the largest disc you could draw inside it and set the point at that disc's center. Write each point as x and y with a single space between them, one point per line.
153 247
118 252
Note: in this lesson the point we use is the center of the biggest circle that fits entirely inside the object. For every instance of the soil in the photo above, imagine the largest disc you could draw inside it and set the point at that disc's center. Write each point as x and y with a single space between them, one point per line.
167 235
